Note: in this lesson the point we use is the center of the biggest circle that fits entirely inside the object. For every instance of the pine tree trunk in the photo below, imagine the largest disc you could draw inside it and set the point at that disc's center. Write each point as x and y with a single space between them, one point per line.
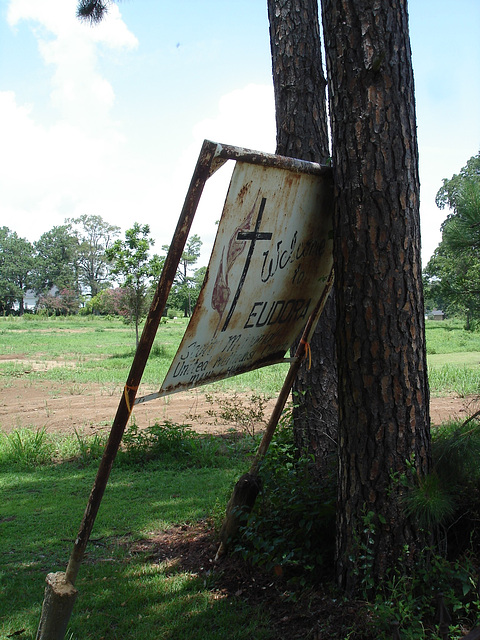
301 116
383 387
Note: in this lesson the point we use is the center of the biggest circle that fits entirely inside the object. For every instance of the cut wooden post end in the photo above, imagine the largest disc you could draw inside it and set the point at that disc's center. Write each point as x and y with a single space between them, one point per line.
239 506
58 602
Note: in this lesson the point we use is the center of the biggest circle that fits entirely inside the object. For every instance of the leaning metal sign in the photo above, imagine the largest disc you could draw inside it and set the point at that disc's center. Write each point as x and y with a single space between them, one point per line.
270 269
270 265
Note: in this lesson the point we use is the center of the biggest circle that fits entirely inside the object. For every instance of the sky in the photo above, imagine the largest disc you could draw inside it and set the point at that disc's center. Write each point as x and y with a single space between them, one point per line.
109 120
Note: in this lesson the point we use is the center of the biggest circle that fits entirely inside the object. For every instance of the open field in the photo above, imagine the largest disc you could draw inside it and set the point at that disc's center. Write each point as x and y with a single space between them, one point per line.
67 374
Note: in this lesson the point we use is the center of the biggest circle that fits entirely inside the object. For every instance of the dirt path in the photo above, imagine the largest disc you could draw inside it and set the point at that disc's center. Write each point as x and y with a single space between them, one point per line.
64 407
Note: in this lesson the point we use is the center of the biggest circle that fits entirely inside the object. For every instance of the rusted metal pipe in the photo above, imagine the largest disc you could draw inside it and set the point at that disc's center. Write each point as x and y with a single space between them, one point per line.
127 400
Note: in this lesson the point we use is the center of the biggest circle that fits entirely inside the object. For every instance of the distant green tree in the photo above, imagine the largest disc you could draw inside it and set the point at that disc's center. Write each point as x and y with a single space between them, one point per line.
452 275
134 269
186 286
56 260
16 262
451 188
94 237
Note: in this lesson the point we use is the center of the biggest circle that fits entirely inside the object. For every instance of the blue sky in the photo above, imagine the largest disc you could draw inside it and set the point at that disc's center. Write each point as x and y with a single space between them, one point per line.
109 120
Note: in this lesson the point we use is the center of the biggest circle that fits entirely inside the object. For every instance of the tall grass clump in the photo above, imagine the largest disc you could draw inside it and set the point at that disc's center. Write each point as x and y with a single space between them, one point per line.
26 448
453 379
175 445
447 501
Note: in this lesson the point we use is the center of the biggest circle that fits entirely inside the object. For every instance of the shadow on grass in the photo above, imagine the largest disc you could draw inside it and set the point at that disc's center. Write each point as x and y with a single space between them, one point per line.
121 596
157 351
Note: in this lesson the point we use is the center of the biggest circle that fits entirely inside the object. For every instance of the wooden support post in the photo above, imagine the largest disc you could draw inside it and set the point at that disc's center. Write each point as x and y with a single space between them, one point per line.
247 488
58 602
55 612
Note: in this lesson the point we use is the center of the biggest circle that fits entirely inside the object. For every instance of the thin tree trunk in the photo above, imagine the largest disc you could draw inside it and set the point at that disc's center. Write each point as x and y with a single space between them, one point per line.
383 388
301 115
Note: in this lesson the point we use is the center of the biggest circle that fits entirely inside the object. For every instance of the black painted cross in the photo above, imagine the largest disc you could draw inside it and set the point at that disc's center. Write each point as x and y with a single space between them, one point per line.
253 236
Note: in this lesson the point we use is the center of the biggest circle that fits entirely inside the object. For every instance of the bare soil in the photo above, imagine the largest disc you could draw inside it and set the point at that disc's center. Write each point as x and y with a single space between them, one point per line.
64 407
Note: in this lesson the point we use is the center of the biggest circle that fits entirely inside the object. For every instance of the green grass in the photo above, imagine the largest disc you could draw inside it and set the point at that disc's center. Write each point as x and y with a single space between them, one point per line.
453 359
124 593
449 336
100 350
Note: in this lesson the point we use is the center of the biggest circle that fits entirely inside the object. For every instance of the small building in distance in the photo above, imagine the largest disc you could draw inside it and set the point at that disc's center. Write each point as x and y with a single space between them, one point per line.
436 314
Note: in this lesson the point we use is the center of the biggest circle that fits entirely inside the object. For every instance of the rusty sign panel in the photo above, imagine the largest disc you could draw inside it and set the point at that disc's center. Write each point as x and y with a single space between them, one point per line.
270 263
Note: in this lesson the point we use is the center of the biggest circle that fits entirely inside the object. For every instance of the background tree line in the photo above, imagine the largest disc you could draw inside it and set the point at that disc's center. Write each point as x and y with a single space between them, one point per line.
452 275
73 266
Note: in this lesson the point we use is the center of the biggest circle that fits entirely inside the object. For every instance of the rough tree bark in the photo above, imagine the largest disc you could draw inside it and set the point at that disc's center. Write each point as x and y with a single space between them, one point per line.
301 116
383 387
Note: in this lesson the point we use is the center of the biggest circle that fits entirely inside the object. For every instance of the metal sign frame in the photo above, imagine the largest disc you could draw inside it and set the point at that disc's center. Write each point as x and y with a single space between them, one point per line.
271 258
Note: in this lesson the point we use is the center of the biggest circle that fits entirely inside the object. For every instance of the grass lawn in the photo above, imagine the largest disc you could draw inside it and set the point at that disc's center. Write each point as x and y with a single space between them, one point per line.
123 593
99 350
453 356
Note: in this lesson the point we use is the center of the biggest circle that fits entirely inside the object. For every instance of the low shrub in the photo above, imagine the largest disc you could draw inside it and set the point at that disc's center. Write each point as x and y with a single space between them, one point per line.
174 444
292 526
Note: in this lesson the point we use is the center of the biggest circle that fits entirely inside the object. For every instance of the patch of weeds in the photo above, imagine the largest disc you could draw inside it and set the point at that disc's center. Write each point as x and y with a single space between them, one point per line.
409 596
26 448
447 500
159 351
90 448
411 599
291 528
244 414
175 444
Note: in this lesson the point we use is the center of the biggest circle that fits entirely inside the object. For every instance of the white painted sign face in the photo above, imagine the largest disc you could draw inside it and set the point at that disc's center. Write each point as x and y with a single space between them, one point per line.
270 262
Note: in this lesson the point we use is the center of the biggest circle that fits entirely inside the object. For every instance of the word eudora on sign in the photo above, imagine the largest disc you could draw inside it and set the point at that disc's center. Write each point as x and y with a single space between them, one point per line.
270 265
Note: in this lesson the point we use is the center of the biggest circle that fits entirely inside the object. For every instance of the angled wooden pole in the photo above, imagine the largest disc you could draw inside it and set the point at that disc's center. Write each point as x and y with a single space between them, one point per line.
248 486
60 593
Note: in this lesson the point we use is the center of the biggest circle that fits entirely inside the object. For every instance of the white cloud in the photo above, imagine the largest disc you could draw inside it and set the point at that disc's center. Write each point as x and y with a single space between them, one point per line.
44 172
79 92
245 118
49 172
82 160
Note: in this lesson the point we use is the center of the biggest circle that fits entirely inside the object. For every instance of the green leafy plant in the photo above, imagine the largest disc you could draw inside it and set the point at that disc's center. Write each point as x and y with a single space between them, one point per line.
245 414
290 530
411 598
